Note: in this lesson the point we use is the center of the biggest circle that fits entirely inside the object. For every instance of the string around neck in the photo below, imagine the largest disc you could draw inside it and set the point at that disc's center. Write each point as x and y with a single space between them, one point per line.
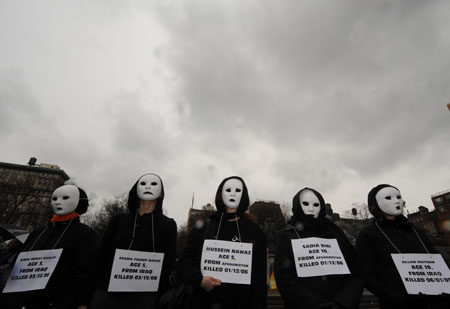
390 241
237 225
295 230
220 224
134 232
46 228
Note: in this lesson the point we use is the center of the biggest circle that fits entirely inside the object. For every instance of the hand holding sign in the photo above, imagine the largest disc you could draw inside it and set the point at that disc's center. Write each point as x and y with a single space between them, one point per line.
228 261
209 283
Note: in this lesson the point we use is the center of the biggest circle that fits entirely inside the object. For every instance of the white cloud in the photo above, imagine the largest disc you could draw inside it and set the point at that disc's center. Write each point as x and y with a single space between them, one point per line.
340 97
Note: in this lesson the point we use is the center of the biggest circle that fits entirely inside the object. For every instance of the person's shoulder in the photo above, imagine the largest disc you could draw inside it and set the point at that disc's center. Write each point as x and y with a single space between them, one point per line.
250 224
123 216
288 233
369 230
84 228
169 222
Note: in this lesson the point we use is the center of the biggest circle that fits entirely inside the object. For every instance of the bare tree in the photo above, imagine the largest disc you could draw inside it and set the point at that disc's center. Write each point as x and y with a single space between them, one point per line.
270 219
100 219
22 203
358 211
286 211
354 219
182 235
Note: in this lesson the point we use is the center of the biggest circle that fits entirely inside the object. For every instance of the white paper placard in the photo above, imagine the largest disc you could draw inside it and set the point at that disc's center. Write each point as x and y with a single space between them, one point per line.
135 271
231 262
32 270
423 273
318 257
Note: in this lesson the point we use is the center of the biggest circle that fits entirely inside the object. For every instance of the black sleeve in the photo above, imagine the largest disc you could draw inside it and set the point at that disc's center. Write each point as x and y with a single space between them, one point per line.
350 294
259 271
170 248
106 251
188 267
85 265
366 252
292 289
425 240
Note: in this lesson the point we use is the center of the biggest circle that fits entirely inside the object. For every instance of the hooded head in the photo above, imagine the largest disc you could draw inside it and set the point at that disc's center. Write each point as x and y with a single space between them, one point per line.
297 208
384 200
237 190
133 198
68 199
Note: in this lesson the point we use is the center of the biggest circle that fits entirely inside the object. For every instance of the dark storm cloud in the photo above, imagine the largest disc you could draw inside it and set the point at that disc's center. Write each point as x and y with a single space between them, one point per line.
335 95
361 78
19 107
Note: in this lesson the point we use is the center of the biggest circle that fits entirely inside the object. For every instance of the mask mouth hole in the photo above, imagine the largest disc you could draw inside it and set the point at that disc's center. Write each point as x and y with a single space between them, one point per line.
59 208
232 200
398 207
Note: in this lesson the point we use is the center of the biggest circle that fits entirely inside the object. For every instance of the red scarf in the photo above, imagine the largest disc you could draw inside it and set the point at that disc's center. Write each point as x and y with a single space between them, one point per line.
68 217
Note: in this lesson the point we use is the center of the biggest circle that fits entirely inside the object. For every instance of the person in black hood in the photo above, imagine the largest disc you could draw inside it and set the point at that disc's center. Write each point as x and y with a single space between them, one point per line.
143 228
389 233
328 291
229 223
69 284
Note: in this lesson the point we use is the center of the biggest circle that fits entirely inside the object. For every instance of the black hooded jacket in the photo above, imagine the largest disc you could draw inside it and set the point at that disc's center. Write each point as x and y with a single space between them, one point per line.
314 292
226 295
70 284
375 263
119 235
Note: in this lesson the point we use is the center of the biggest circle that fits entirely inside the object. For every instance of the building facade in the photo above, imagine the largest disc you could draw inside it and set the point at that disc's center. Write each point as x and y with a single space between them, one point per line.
25 192
427 220
441 202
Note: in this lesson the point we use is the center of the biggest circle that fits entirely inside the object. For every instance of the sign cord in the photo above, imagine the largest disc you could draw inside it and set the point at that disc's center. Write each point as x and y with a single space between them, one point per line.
43 231
153 234
295 230
134 231
39 237
220 223
237 224
376 223
63 233
420 240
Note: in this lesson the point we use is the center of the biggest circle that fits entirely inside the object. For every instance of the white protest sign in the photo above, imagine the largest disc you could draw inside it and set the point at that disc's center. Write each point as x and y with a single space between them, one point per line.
32 270
318 257
423 273
231 262
135 271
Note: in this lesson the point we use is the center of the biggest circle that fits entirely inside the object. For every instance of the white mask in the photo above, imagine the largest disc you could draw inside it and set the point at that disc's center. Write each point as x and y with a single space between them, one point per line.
310 203
232 193
149 187
65 200
390 201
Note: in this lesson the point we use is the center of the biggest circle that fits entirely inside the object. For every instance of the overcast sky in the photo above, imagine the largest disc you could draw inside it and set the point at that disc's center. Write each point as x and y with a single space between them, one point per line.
336 95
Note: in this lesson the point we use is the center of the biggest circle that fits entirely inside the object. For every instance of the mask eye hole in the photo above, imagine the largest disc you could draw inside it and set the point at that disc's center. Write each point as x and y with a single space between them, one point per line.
388 197
305 203
228 190
54 198
154 183
65 197
238 190
142 183
316 205
398 197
